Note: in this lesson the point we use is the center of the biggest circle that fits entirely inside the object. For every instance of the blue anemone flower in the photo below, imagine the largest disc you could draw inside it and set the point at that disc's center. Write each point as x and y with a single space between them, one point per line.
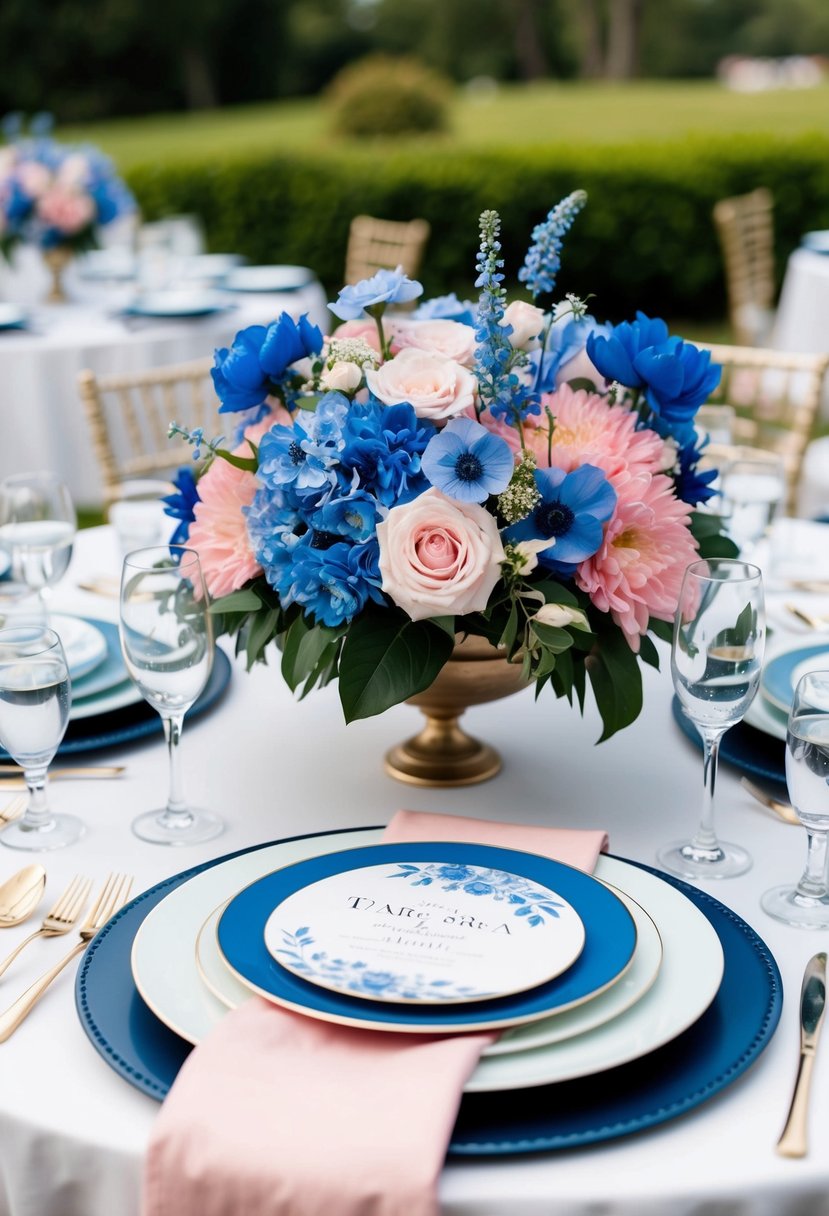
572 510
385 287
468 462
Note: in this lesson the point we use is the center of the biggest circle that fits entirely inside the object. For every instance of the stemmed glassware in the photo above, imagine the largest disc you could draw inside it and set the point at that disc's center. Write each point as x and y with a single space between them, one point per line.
753 486
716 657
806 904
35 695
37 527
167 642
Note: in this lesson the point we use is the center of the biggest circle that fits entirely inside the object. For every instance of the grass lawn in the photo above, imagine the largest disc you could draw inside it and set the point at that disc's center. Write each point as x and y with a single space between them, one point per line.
592 114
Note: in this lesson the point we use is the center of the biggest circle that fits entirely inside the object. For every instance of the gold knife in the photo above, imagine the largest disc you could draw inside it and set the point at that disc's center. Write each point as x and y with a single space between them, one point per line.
793 1141
11 775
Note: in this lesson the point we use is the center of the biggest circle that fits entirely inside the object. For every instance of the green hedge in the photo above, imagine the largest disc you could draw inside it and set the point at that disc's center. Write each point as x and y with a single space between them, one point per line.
645 240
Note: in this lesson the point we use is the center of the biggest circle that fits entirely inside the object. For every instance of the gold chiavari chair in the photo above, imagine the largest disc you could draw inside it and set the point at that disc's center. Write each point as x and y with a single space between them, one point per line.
129 417
384 245
745 225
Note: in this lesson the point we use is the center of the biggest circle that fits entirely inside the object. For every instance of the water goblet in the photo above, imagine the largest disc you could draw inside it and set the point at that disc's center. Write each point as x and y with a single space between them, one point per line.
37 527
167 642
753 486
716 657
806 904
35 695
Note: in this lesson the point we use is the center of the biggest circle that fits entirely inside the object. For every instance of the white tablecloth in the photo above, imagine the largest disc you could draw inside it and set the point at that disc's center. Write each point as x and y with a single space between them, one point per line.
42 422
72 1133
802 321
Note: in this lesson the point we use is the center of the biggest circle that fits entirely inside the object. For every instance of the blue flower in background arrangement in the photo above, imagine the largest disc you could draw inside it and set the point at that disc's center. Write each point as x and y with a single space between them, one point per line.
385 287
572 510
259 358
467 462
181 505
446 308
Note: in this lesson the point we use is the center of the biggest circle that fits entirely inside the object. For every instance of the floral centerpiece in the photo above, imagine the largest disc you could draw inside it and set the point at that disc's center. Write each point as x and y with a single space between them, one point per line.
522 475
56 195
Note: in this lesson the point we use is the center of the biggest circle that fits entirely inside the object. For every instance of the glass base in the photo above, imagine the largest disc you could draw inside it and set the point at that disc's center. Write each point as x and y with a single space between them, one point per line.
800 911
193 826
687 860
60 831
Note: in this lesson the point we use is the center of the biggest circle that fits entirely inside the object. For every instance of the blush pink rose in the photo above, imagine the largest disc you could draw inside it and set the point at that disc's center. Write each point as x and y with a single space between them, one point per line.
527 322
34 179
447 338
66 210
438 556
436 388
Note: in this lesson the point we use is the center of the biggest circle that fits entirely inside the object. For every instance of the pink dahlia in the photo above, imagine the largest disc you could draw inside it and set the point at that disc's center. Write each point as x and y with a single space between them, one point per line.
588 430
637 572
219 531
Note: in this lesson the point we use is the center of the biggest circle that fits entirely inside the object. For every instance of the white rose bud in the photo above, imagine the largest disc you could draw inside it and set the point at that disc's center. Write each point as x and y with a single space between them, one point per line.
342 377
527 323
560 615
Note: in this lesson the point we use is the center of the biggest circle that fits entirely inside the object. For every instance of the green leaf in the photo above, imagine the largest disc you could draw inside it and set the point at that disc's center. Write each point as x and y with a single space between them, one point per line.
262 630
551 637
386 658
303 646
446 623
554 593
664 630
239 462
238 601
648 652
616 680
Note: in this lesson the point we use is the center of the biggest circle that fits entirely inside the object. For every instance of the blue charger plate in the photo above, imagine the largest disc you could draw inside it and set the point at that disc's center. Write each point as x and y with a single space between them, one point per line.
135 722
698 1064
610 938
778 682
751 751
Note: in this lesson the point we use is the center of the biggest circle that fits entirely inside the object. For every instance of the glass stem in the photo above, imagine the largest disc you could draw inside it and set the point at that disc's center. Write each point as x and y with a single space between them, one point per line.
812 885
705 838
38 815
176 806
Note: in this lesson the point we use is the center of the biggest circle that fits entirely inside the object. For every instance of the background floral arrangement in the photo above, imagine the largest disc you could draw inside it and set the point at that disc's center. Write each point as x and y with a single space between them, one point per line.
53 194
522 475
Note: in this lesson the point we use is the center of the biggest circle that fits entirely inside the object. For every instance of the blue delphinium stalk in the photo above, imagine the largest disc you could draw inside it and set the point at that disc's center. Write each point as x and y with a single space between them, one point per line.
543 259
499 388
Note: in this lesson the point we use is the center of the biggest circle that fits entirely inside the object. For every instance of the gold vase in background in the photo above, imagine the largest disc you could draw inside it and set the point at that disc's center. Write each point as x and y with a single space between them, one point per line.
442 754
57 259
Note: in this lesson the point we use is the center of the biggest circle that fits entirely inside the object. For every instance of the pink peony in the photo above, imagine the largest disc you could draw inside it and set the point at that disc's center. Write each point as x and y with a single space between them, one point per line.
439 557
637 572
66 210
219 532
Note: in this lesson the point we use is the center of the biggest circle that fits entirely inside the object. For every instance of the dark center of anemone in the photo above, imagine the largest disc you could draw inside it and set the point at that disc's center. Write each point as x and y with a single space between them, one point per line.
296 453
553 518
323 540
468 467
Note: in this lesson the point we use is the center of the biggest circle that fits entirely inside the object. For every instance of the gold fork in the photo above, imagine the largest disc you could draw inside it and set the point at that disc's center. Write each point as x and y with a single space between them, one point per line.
13 809
59 919
114 894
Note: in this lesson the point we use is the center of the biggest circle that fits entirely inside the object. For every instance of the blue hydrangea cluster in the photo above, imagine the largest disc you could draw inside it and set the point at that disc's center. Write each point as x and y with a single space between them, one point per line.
499 388
325 483
543 260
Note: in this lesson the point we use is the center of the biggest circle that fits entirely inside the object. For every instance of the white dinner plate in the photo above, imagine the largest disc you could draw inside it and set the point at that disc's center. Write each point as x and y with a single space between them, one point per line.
210 267
105 702
766 718
12 316
166 972
630 988
268 278
183 302
83 644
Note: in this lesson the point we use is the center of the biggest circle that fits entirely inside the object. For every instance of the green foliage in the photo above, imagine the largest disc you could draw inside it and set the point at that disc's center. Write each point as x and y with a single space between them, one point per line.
646 240
388 657
384 95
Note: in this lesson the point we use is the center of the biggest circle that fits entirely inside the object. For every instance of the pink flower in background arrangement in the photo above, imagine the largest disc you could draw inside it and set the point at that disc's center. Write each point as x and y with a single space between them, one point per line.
66 210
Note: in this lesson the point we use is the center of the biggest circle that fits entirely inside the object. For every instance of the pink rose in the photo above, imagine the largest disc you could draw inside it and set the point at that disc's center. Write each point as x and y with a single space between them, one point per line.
435 387
439 557
527 323
65 210
447 338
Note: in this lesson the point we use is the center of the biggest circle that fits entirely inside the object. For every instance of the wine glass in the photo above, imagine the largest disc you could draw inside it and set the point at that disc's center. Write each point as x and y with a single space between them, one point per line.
806 905
35 695
167 641
716 657
37 527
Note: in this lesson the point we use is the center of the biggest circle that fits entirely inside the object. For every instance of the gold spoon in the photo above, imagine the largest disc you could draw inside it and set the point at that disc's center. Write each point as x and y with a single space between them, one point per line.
783 810
20 895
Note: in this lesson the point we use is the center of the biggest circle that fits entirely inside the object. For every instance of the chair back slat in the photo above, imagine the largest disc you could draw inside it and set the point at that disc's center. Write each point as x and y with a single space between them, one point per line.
745 225
384 245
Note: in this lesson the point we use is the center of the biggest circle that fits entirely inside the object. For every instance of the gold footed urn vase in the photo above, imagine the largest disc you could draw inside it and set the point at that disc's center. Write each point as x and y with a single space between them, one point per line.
443 754
57 259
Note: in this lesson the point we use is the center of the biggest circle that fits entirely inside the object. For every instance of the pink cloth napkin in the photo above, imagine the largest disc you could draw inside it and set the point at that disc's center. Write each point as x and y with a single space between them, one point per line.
277 1114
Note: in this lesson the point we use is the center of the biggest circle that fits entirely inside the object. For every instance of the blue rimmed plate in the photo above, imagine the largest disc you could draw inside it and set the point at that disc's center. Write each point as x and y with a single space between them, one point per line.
609 939
654 1089
782 673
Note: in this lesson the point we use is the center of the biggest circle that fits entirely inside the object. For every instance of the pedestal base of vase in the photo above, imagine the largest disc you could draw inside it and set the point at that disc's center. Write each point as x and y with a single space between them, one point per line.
443 754
57 259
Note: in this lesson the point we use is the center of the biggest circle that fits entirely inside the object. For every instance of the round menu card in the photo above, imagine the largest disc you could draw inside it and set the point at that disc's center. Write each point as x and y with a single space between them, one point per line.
425 932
